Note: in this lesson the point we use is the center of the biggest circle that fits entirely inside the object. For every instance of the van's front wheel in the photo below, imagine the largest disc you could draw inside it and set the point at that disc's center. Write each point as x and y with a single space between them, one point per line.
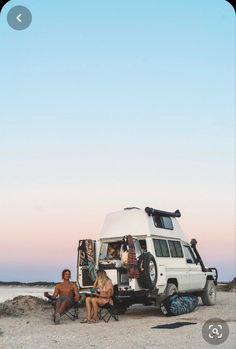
208 296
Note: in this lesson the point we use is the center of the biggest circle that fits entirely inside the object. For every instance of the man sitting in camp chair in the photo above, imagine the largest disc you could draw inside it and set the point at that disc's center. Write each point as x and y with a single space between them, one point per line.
65 295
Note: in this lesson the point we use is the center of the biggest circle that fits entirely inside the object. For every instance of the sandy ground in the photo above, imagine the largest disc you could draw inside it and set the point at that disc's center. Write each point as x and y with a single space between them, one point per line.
35 329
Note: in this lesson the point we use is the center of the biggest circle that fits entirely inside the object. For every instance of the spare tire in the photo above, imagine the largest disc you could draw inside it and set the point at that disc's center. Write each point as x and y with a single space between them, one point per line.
148 271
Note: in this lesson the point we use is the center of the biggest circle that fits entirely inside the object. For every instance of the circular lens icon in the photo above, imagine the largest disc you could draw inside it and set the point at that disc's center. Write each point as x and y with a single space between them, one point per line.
215 331
19 17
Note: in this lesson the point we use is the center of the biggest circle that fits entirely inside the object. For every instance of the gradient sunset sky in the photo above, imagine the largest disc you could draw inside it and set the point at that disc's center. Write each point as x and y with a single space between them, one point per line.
108 104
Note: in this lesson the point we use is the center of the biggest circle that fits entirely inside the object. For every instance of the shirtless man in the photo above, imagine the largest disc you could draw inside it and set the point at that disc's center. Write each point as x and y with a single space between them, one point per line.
67 293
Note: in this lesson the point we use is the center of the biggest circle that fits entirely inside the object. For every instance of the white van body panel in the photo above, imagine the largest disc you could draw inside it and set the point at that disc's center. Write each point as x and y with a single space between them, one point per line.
136 222
112 274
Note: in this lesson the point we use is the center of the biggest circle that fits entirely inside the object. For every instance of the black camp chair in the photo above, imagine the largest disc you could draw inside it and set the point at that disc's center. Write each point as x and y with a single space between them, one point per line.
108 310
71 313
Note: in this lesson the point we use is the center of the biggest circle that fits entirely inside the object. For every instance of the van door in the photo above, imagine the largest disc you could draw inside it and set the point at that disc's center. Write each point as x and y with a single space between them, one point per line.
86 262
197 278
169 254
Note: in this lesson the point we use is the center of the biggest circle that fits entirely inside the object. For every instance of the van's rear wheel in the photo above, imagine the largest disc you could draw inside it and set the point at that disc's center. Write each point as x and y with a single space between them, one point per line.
209 294
170 289
121 309
148 271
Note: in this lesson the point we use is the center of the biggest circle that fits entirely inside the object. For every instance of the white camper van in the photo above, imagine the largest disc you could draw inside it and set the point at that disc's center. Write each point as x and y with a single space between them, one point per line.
166 262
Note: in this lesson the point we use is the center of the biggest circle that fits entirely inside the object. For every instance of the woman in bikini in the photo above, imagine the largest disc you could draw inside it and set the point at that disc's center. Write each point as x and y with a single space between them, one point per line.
104 285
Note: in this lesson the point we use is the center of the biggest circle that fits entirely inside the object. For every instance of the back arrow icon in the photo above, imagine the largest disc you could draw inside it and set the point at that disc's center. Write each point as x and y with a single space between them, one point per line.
18 18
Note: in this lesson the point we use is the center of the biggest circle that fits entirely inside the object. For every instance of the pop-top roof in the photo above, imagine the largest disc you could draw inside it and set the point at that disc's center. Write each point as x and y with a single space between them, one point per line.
137 222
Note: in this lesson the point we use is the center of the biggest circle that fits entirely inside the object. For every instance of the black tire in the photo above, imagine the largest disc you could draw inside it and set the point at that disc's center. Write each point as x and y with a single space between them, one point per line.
121 309
170 289
208 296
148 271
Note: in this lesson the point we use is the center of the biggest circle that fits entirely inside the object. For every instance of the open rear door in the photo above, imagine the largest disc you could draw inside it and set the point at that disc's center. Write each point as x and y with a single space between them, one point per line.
86 263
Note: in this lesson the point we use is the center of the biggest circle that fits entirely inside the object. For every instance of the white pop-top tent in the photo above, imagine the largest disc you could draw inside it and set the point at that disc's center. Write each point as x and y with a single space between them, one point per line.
137 222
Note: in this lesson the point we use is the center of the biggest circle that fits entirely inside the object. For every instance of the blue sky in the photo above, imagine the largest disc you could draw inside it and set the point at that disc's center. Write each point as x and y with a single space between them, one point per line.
106 104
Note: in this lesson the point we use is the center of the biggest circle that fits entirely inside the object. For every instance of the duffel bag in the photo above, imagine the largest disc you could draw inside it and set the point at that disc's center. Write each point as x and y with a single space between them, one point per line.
178 304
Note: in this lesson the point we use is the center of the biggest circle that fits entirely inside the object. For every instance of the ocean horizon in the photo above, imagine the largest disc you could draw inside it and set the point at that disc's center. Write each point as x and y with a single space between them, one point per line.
9 292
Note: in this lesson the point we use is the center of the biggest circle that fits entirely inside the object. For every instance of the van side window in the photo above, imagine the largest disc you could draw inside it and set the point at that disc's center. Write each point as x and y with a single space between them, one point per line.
137 247
188 254
161 248
143 245
163 222
103 250
175 249
167 222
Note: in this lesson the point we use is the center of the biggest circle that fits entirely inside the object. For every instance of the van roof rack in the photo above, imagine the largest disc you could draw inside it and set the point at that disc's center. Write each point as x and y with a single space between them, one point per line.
153 212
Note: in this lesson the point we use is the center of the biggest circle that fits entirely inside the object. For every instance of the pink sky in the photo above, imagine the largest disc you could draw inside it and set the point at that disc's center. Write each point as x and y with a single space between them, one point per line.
45 241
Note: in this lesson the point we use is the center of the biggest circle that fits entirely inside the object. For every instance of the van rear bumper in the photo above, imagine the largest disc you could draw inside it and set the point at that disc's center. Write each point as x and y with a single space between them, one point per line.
136 297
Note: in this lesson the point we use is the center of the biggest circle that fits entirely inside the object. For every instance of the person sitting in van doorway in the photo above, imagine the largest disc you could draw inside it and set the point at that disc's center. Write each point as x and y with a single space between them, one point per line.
65 294
104 294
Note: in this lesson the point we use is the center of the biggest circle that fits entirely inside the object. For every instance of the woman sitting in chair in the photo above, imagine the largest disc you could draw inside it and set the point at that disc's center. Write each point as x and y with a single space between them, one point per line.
104 294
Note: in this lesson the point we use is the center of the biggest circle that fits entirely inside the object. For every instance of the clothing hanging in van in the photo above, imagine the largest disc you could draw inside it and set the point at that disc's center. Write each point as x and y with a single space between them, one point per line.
133 272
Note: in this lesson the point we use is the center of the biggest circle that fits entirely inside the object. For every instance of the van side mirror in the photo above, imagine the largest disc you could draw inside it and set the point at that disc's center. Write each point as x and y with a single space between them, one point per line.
189 260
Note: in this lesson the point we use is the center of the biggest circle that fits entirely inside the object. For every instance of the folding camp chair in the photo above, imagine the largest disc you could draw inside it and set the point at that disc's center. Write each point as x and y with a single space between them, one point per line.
71 313
108 310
